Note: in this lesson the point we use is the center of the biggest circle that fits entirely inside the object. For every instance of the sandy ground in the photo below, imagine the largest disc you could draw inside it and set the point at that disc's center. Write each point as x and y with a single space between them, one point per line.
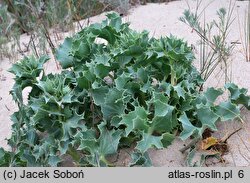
163 20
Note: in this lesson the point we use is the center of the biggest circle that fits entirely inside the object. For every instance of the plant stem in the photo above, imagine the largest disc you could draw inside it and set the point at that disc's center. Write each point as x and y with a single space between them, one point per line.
192 143
173 74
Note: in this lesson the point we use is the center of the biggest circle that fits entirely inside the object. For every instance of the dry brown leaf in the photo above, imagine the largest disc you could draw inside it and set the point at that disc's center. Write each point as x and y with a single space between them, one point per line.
208 142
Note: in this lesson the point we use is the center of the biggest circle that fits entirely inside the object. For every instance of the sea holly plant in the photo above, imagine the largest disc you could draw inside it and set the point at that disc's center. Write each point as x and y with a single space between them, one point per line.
118 88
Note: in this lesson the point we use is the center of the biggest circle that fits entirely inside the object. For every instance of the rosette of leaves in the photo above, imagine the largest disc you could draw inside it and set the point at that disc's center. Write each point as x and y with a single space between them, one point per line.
118 88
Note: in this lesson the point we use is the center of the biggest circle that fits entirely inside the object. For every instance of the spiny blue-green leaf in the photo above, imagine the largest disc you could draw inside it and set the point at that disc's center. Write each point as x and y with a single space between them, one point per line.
55 89
31 136
115 21
135 120
180 91
101 70
102 59
186 105
142 75
88 134
44 150
81 49
238 95
206 116
70 125
113 104
139 159
211 95
149 141
106 144
122 80
165 123
108 140
162 107
81 135
29 67
2 153
53 161
90 145
197 158
163 120
38 151
167 139
5 158
235 91
63 146
30 159
227 111
115 121
107 33
98 95
63 54
122 60
83 83
188 128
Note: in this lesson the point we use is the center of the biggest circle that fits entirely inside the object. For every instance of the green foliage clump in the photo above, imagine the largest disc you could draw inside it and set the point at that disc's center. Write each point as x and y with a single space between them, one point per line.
118 88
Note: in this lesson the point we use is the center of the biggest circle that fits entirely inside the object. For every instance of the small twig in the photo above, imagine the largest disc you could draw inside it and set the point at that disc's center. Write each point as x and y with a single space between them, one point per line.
33 44
6 107
27 46
228 135
242 107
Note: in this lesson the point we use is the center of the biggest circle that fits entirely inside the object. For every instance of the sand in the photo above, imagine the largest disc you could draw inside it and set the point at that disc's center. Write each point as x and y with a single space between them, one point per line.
163 20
